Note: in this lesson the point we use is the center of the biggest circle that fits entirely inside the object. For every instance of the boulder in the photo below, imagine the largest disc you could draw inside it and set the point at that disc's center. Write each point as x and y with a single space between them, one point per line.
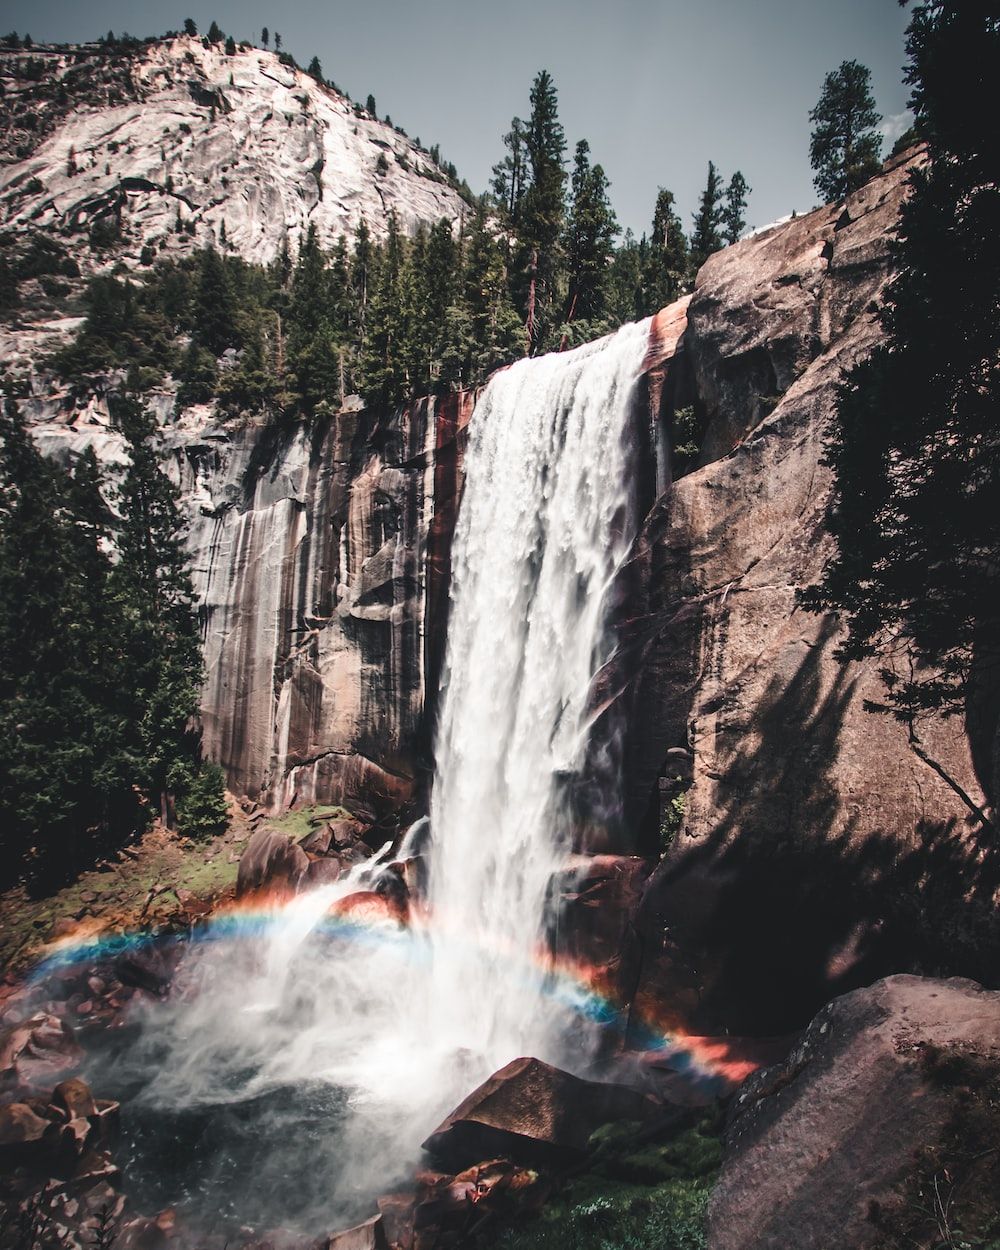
371 907
367 1236
35 1049
322 872
73 1099
20 1126
882 1080
532 1113
272 863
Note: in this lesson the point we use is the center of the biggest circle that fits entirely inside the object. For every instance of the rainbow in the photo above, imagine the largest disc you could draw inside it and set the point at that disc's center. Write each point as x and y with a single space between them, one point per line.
653 1038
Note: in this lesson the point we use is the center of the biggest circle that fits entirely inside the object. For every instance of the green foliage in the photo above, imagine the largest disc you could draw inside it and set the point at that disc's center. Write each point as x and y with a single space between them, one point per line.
541 211
915 446
202 811
845 144
215 33
666 262
634 1194
706 237
734 211
102 663
685 441
589 242
672 820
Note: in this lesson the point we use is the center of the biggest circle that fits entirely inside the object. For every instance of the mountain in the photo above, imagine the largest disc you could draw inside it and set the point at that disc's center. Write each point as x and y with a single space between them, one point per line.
174 144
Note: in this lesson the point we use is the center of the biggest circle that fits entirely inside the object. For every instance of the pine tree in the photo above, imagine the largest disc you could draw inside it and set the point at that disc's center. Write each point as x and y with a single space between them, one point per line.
46 740
705 238
215 33
315 69
915 446
212 304
265 37
590 235
510 174
157 613
542 212
666 263
384 370
483 328
189 27
313 357
277 41
625 280
845 144
370 105
734 212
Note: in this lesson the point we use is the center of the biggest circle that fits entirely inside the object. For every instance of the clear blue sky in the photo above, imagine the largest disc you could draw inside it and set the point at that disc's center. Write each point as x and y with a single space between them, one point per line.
657 87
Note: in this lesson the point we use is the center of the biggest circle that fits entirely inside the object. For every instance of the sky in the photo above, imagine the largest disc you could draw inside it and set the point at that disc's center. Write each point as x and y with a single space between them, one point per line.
657 87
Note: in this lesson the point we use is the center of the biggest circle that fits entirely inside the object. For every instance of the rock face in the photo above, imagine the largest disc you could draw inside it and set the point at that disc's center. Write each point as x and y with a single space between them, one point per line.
180 145
322 568
808 823
531 1112
824 1141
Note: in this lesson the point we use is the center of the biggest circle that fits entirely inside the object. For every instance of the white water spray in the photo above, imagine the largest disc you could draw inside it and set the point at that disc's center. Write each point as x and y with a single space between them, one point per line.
407 1023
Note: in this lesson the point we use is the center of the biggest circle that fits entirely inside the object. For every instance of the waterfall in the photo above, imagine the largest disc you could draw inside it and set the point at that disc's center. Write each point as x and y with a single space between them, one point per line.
544 525
402 1024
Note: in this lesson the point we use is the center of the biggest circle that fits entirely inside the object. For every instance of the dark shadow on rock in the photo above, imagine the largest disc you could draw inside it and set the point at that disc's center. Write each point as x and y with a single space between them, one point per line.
780 910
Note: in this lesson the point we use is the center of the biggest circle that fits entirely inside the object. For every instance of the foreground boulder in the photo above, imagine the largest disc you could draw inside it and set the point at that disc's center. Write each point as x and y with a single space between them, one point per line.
272 863
32 1050
893 1090
533 1113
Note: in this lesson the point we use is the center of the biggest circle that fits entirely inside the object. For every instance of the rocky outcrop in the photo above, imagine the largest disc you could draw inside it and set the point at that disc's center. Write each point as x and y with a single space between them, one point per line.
322 567
883 1083
177 144
813 838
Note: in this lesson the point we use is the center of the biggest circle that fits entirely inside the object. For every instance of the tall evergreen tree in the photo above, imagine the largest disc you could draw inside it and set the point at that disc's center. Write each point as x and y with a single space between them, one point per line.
590 235
542 212
313 358
734 212
915 446
47 737
705 238
665 264
157 612
384 368
212 311
510 174
845 144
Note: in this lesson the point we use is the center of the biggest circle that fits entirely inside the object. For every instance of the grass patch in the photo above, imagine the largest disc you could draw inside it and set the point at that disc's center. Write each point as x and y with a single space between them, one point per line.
302 820
635 1194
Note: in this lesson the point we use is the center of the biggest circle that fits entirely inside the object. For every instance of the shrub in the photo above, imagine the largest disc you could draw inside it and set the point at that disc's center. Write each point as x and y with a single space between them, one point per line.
203 811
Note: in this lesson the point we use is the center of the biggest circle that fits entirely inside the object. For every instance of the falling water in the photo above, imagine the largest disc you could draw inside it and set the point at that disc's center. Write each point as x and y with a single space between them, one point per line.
544 525
402 1024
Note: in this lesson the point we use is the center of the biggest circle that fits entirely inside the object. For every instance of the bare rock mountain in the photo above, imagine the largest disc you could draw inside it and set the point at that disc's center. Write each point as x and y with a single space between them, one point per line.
177 144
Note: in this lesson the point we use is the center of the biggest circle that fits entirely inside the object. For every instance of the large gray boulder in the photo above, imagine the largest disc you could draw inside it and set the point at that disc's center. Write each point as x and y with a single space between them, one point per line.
830 1147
